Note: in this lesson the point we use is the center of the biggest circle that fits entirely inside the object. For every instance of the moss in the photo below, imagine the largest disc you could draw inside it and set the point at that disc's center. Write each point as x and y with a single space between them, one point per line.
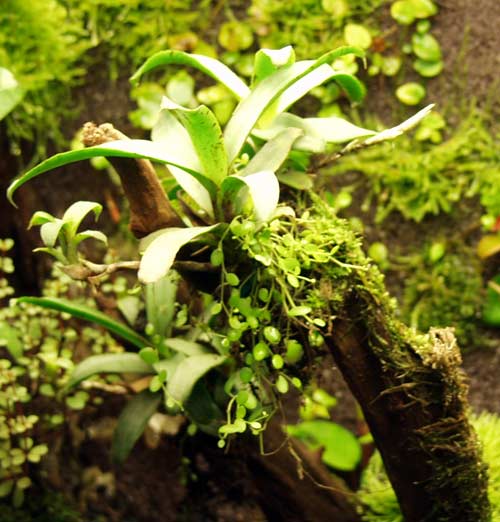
128 31
378 497
419 180
57 35
41 47
456 468
423 372
307 25
487 426
447 292
47 506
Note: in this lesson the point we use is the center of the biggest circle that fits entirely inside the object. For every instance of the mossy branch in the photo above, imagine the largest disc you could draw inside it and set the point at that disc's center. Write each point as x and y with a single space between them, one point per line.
413 395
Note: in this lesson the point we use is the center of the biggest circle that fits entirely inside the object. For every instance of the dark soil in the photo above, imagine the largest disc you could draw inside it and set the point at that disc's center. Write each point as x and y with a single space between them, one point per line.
482 369
469 35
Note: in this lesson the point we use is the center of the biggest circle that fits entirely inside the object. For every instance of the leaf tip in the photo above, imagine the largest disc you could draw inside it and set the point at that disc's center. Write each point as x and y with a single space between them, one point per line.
10 195
135 79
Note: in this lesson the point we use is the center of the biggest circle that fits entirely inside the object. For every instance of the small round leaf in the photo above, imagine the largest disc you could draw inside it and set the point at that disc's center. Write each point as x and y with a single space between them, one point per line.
411 93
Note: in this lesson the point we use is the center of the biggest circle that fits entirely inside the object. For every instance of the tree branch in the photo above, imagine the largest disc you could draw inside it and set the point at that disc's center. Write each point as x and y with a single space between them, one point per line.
150 209
413 396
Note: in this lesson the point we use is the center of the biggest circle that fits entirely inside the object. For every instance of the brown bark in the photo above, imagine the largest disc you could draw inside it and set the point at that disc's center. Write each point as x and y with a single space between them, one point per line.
150 209
295 485
415 407
14 224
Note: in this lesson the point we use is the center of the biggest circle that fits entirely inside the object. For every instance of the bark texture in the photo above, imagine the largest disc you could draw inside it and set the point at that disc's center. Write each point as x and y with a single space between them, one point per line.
296 486
413 395
150 209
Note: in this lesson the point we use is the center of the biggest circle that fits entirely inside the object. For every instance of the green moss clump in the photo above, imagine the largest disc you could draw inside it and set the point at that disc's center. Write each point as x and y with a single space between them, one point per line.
487 426
48 506
46 44
128 31
312 27
446 293
376 494
419 181
42 47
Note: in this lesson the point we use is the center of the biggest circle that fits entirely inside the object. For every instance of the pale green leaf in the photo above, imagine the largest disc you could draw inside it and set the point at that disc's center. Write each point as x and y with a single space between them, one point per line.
91 234
159 255
274 153
40 218
213 68
6 487
119 148
342 449
55 252
49 232
169 366
176 142
267 61
109 363
317 131
249 111
132 422
394 132
358 35
426 47
148 150
88 314
334 130
192 187
11 92
180 88
189 371
411 93
186 347
489 245
491 307
402 11
149 355
295 179
298 311
10 338
206 136
129 306
76 213
299 89
263 189
296 91
160 300
428 69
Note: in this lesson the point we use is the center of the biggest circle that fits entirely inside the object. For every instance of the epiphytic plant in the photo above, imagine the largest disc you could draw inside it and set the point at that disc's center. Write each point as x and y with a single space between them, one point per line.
228 195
